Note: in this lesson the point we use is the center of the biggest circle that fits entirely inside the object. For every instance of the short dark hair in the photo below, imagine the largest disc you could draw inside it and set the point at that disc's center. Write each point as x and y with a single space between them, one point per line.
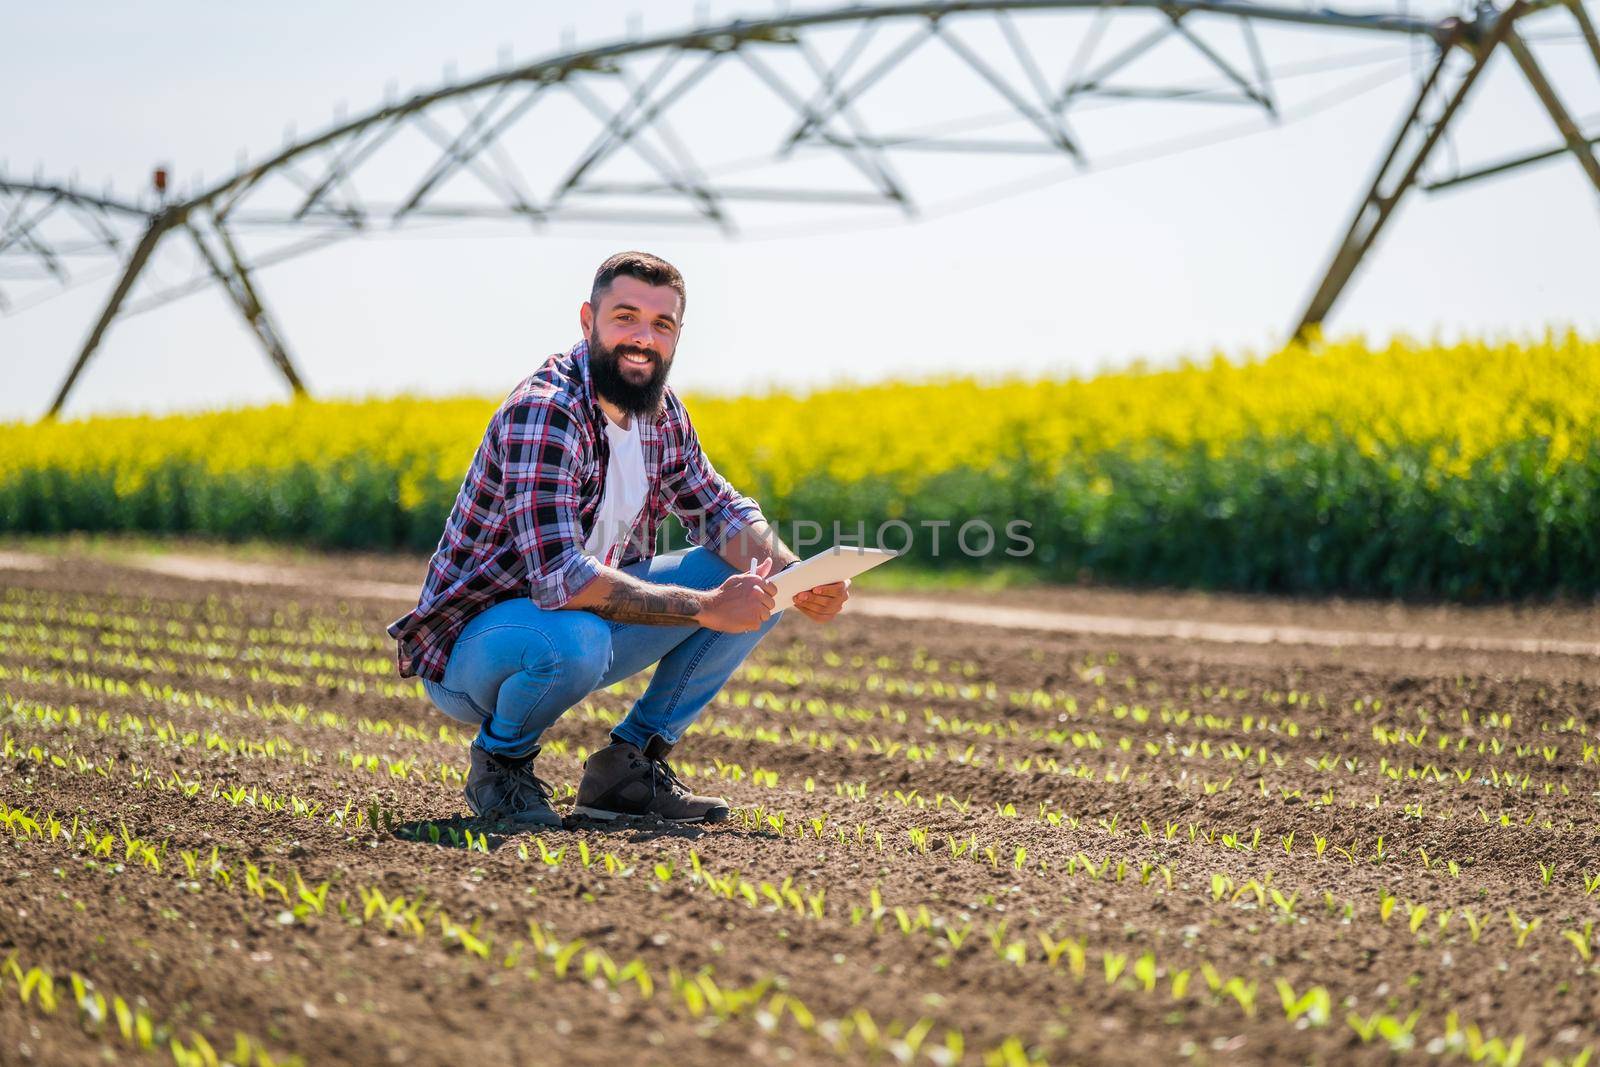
652 270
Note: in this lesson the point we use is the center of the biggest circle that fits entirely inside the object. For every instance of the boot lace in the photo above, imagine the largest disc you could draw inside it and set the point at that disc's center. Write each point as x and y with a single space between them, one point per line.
664 777
526 783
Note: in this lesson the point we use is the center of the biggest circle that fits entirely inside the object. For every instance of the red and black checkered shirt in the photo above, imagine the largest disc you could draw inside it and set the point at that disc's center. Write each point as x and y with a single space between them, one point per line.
529 501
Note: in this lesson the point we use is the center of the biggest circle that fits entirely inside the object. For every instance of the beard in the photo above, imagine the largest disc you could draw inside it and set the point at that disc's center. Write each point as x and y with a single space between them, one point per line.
633 395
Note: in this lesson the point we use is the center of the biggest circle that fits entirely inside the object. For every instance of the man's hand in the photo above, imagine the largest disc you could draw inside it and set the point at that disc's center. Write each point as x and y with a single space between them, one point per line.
822 603
742 603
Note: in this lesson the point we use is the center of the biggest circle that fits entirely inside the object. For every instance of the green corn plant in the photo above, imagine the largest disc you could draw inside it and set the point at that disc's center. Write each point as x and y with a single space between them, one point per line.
311 901
1053 950
1520 928
1144 972
1114 963
1244 993
1315 1003
1180 985
1582 940
551 857
1397 1032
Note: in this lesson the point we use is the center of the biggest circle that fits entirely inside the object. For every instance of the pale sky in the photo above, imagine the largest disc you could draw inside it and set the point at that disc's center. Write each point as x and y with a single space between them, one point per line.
1215 248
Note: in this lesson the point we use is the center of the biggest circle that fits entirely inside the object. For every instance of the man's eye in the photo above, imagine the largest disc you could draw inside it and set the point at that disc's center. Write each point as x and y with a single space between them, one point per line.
665 325
624 318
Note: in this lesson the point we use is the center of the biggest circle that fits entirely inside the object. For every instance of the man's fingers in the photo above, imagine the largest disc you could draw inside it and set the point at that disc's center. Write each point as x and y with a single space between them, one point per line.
818 611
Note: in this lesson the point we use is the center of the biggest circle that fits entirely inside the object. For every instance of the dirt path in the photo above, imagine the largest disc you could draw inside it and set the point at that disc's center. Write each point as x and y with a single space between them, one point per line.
964 610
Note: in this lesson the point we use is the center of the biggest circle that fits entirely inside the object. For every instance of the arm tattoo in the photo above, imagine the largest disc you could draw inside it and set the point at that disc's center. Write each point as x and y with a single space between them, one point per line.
651 605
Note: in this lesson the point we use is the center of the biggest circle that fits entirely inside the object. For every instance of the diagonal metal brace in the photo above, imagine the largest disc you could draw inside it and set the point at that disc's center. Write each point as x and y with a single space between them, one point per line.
157 229
235 280
1383 195
1576 142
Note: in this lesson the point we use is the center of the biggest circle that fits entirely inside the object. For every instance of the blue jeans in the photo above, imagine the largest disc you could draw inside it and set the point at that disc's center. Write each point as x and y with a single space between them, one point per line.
515 668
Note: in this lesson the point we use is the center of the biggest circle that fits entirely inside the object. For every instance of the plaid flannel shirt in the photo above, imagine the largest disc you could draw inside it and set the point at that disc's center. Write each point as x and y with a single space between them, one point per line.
529 501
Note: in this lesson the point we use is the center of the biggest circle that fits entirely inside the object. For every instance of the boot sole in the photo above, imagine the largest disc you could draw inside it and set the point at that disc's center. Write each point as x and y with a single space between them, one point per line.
496 819
715 815
490 822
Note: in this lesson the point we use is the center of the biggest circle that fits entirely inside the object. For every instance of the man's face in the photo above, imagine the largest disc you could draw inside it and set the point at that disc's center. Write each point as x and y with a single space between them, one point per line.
632 335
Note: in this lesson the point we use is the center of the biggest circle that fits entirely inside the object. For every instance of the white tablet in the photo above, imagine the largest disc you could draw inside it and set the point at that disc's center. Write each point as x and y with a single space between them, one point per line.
826 567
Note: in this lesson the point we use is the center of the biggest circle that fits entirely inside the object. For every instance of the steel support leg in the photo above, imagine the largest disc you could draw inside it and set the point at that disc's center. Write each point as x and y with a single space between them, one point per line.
1386 191
1591 38
235 281
1577 143
158 227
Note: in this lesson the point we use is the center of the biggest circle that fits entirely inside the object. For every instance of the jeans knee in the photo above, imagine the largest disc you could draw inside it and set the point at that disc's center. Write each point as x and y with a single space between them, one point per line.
579 654
703 569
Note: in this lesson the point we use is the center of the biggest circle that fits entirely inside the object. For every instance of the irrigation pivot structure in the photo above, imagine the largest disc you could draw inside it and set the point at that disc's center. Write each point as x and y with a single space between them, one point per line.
621 133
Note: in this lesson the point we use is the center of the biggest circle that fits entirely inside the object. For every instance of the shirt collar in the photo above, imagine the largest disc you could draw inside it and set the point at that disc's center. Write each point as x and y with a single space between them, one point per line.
580 356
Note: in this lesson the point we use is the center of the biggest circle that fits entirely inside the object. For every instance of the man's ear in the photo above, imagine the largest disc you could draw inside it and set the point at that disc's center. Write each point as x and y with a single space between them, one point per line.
586 318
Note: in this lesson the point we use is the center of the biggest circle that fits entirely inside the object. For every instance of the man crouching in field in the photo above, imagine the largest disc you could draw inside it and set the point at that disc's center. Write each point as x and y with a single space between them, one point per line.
545 586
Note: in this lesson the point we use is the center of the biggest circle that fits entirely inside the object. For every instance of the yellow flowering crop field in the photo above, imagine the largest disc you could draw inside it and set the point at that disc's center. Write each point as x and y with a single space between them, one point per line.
1469 469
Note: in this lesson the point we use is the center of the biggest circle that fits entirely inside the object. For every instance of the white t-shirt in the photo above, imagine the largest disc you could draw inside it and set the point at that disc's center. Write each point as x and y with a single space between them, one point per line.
624 494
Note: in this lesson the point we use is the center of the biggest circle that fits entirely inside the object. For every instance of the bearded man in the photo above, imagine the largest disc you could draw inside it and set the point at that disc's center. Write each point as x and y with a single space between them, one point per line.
545 585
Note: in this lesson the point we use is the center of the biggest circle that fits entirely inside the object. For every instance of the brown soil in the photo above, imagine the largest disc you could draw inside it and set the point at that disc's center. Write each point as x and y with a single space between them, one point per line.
831 919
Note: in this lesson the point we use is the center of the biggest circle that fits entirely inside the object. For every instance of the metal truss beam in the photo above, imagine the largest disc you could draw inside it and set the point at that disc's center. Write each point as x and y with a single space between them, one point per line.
234 278
1400 170
633 107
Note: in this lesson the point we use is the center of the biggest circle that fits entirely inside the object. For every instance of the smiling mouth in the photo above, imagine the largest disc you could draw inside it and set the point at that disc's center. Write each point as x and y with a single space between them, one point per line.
637 359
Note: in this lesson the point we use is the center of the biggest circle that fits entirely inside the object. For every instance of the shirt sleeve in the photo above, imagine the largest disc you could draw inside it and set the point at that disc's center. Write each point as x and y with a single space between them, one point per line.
711 510
541 475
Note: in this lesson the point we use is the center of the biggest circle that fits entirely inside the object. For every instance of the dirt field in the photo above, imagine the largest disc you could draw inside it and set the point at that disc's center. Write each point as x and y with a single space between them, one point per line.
231 834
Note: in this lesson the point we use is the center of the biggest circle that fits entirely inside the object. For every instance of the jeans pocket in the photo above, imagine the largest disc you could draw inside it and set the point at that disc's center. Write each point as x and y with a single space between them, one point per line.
459 706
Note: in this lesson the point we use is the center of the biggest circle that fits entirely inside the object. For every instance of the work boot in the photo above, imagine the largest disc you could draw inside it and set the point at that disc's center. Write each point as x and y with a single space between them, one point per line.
620 779
503 789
